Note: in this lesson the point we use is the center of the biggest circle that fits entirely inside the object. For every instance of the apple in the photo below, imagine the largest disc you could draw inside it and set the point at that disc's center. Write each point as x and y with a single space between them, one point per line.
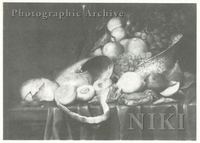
113 50
114 23
119 34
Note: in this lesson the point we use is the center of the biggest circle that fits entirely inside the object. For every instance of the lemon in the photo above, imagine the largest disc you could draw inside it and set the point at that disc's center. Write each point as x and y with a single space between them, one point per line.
65 94
130 82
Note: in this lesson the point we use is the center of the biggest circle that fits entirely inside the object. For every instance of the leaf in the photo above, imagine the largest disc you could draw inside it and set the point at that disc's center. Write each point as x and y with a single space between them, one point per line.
105 38
90 38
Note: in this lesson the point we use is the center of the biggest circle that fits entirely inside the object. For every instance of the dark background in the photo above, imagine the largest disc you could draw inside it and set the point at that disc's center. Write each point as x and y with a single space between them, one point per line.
35 48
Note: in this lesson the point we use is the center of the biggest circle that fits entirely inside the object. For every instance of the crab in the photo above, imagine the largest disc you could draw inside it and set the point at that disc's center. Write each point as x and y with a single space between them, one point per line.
138 98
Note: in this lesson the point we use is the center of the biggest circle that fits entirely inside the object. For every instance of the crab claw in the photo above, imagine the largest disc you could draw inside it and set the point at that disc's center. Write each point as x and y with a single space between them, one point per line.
151 93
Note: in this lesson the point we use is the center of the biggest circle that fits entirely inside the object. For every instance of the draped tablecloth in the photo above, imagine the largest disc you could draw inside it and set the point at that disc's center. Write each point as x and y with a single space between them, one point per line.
119 126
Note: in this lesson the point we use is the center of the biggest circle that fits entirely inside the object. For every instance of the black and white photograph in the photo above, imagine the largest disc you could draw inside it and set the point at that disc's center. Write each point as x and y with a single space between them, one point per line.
99 71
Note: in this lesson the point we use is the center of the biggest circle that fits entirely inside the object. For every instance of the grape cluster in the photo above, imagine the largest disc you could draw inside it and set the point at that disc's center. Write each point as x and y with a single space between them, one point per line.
128 62
155 27
157 40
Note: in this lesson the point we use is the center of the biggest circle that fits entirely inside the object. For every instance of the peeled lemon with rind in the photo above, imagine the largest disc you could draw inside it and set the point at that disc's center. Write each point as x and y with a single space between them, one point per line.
171 90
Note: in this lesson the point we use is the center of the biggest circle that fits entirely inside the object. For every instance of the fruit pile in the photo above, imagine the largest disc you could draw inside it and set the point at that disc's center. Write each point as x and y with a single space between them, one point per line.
136 37
128 46
157 40
129 42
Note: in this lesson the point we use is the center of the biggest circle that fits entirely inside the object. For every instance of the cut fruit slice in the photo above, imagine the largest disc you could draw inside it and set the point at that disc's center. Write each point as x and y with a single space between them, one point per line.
171 90
85 92
66 94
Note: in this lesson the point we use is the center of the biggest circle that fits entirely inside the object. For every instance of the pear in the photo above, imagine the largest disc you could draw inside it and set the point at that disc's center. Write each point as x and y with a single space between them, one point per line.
189 79
174 74
157 82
